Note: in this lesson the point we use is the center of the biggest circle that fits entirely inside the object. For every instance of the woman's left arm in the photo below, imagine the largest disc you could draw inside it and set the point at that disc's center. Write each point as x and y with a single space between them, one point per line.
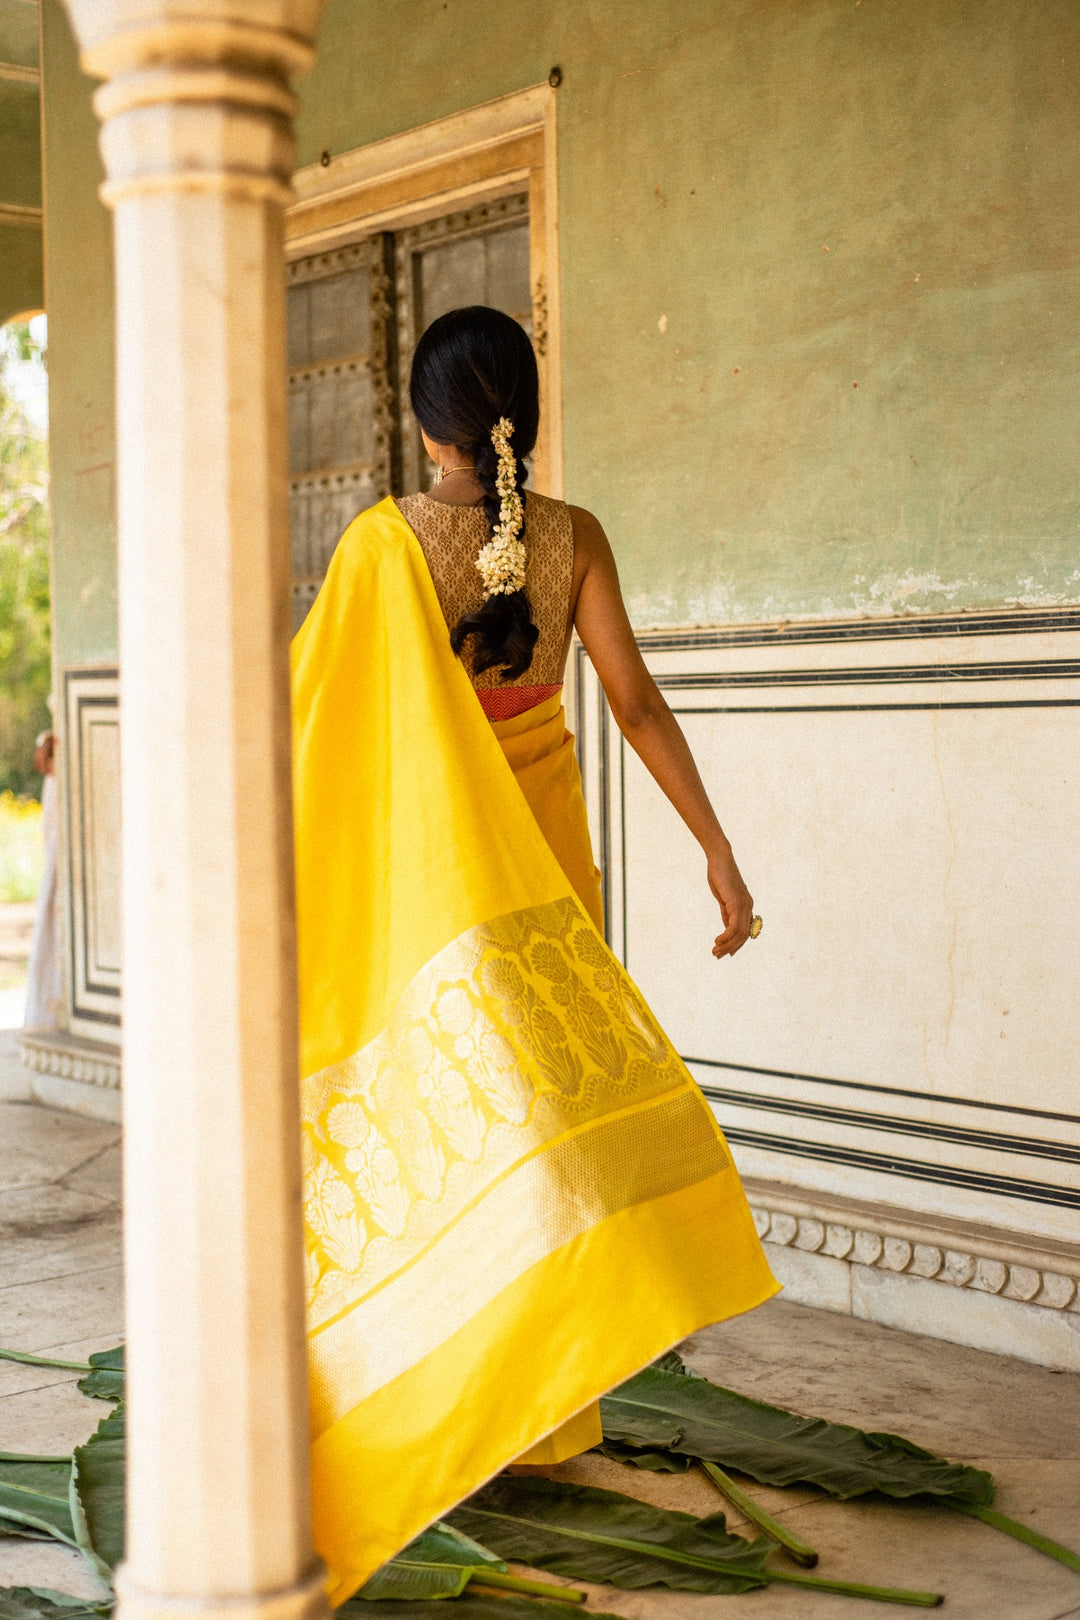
648 724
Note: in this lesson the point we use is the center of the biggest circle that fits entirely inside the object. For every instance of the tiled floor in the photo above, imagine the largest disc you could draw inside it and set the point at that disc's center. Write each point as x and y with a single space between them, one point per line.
60 1294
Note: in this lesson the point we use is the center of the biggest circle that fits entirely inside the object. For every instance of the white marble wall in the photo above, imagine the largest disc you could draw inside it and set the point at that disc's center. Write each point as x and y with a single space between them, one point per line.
904 797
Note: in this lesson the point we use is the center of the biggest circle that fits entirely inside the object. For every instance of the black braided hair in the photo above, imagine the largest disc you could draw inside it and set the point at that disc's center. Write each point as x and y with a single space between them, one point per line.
471 367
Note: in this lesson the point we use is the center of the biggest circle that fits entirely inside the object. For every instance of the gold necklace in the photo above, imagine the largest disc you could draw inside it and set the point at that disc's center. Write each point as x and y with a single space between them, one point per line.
442 472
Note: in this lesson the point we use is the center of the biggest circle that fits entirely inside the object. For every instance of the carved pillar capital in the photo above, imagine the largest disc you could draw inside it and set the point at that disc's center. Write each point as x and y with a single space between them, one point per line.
196 97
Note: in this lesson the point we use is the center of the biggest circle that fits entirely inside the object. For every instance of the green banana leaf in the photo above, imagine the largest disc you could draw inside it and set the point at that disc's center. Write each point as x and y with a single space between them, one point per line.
8 1527
471 1606
598 1535
97 1494
661 1410
654 1462
106 1381
440 1563
413 1580
42 1603
35 1495
963 1501
440 1543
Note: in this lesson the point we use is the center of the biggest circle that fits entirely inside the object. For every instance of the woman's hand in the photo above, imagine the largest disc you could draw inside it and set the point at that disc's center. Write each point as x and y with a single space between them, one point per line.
736 904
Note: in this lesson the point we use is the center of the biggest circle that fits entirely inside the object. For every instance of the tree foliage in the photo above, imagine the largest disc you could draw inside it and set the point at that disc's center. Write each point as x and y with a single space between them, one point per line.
25 675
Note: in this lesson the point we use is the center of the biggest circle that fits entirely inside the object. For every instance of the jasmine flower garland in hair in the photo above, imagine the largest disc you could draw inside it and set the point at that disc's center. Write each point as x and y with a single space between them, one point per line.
501 563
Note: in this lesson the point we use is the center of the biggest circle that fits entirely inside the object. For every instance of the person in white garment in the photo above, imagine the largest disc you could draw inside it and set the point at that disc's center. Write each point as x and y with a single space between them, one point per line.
43 979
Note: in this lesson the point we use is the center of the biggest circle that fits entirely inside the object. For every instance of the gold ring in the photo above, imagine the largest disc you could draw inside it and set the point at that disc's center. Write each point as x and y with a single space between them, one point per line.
756 925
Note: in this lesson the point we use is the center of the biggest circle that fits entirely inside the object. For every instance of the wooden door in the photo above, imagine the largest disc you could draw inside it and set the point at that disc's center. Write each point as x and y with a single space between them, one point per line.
355 314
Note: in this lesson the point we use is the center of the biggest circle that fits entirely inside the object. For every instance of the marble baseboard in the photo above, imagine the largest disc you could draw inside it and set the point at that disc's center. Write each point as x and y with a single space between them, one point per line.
979 1286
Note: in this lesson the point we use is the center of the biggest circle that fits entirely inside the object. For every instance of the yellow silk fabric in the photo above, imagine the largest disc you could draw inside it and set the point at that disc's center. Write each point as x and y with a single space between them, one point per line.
540 752
515 1195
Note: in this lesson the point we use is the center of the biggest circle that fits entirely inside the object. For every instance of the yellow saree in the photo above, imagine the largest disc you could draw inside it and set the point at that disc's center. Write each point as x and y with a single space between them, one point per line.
515 1195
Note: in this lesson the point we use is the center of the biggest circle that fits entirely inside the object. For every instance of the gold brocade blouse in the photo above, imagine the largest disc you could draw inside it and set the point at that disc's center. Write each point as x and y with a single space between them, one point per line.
451 537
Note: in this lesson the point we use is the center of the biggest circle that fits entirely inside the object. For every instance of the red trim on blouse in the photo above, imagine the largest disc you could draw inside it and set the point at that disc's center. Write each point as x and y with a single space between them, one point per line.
504 702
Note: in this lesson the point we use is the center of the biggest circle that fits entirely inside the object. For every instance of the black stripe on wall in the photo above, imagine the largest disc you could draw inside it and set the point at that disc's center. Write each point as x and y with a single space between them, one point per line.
1028 669
919 626
897 1124
888 1091
1035 1192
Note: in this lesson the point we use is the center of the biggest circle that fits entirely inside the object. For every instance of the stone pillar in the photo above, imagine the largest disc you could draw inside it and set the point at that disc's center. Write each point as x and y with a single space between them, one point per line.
196 116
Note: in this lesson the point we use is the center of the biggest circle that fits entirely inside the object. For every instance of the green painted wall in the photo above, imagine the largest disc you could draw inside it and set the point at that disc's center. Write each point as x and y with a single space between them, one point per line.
20 149
821 280
19 32
21 269
78 252
22 274
710 154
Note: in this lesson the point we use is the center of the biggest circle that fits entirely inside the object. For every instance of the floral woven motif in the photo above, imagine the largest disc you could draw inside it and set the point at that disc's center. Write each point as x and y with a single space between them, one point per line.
515 1033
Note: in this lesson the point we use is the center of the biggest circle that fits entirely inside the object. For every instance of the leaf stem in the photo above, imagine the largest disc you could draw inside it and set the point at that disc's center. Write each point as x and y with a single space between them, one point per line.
516 1583
1021 1532
753 1510
881 1594
44 1361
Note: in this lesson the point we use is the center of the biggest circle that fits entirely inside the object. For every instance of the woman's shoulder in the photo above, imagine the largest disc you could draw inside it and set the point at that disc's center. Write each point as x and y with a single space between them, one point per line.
575 515
578 515
589 536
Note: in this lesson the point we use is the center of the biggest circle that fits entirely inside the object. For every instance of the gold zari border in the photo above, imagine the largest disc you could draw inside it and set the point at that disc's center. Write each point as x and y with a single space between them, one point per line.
659 1147
521 1092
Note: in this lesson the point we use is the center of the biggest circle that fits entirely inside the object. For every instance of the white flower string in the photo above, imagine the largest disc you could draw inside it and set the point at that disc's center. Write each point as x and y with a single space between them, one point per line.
501 563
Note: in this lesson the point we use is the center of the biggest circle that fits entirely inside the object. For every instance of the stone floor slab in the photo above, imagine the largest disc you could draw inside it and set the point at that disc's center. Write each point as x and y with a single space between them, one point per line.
100 1175
47 1563
1043 1494
53 1420
42 1144
38 1313
16 1376
51 1232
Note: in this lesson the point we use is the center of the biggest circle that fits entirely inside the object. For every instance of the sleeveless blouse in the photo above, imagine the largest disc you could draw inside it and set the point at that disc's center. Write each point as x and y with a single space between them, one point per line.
451 537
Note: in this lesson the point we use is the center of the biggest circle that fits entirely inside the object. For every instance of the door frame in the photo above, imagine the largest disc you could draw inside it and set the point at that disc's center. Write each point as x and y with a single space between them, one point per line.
486 152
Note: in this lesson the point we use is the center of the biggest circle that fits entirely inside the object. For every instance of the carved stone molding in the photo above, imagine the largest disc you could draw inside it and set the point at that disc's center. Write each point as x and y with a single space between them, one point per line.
989 1262
56 1053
